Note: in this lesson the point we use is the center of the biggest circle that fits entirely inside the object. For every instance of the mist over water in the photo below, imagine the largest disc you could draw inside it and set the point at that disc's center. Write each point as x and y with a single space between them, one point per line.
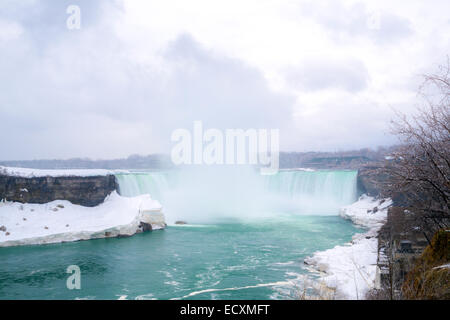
247 238
236 193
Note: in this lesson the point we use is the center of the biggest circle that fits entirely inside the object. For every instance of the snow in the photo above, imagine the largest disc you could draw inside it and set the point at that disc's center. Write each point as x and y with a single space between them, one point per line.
60 220
444 266
150 205
298 169
359 215
31 173
351 269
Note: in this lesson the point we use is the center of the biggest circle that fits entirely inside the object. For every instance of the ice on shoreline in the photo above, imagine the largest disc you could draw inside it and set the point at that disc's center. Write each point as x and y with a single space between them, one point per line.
61 221
350 269
34 173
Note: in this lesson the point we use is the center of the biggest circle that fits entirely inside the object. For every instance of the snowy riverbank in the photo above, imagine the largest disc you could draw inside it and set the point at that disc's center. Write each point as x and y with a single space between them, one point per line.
350 269
34 173
60 220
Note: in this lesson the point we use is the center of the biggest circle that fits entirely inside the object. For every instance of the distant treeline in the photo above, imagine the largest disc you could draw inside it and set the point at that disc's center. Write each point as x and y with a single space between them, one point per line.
340 159
353 159
154 161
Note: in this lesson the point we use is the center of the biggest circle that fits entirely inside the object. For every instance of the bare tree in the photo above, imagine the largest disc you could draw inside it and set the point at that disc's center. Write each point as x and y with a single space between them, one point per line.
420 169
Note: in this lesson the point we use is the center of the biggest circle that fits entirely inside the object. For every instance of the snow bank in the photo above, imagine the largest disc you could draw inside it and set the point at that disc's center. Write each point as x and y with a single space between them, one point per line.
60 220
444 266
362 212
31 173
351 269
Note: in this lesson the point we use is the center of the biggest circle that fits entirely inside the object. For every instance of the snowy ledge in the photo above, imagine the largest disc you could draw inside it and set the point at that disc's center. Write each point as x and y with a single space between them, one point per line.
61 221
32 173
350 269
298 169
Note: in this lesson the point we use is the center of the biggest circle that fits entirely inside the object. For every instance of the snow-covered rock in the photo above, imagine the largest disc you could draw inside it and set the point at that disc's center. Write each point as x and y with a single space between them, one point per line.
32 173
60 220
150 213
298 169
84 187
351 269
367 211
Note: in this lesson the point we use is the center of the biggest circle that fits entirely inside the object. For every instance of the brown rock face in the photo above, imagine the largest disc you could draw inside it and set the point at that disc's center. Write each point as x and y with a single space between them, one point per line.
370 180
85 191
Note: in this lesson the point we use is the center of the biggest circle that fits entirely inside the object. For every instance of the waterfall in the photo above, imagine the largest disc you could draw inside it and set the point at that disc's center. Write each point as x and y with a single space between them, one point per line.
315 191
134 184
210 193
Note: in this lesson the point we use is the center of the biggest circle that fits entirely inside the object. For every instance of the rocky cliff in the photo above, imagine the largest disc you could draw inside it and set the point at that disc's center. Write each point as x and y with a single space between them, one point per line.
370 180
86 191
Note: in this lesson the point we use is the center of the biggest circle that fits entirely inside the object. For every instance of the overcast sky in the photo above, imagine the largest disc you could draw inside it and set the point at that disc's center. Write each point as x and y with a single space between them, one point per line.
326 73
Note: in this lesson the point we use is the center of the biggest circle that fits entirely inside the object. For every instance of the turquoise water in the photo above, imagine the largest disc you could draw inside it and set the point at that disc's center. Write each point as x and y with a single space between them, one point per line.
248 237
175 262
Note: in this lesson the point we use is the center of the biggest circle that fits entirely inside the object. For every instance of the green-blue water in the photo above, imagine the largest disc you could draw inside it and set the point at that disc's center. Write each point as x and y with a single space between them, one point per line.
175 262
256 257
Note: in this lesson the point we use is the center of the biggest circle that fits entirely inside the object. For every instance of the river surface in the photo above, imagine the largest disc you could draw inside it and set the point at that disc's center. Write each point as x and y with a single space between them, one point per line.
247 238
224 261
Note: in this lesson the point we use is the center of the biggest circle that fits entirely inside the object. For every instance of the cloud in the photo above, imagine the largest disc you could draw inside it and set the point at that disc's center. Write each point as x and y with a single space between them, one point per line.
45 21
343 122
135 71
9 30
223 92
82 96
345 22
324 73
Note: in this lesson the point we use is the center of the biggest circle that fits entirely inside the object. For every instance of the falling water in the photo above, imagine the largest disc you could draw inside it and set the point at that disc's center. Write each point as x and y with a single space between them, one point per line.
211 195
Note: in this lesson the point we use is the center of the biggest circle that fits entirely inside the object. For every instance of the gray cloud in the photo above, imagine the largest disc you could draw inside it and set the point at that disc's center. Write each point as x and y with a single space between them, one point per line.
79 95
83 93
346 23
316 74
223 92
45 21
343 125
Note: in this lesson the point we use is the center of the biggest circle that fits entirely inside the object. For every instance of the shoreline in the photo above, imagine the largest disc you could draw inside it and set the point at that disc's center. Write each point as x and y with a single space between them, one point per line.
350 270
